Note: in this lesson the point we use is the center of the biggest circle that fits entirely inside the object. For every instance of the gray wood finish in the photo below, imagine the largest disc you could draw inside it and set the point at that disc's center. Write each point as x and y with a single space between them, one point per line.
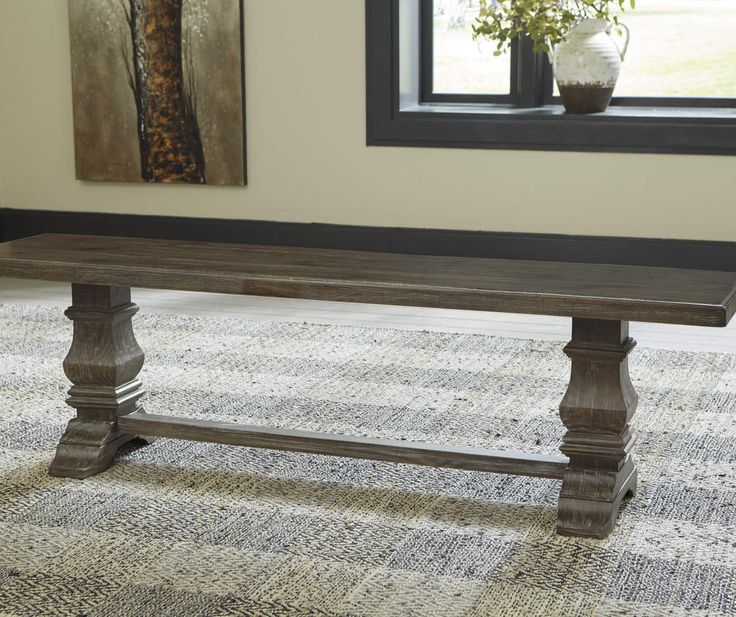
105 358
693 297
597 410
103 364
394 450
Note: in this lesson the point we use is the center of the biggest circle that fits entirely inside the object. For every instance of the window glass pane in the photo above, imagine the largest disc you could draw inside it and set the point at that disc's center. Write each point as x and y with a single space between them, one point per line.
680 48
462 65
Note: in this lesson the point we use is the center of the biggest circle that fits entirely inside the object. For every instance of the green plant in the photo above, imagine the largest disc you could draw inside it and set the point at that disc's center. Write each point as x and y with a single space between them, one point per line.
546 22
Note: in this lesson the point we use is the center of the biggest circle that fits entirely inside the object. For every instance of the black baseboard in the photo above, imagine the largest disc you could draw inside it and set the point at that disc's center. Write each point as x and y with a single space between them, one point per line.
549 247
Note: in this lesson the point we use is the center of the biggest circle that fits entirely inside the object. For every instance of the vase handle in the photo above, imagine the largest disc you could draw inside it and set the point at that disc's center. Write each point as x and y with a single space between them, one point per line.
627 38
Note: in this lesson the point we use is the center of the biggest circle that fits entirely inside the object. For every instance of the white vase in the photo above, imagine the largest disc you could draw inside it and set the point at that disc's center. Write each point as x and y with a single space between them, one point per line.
587 64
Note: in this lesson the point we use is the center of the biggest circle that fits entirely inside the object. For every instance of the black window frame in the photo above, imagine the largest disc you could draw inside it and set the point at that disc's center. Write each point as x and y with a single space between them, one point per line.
426 61
403 111
530 75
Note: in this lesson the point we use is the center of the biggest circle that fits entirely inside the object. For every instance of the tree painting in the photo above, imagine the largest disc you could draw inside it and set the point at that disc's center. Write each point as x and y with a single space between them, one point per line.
158 93
171 149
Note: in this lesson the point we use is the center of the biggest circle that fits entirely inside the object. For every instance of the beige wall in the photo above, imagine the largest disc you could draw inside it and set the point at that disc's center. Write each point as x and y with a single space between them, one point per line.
307 155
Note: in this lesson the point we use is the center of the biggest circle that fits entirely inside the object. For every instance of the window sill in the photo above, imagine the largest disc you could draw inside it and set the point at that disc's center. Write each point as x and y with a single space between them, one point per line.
558 111
620 129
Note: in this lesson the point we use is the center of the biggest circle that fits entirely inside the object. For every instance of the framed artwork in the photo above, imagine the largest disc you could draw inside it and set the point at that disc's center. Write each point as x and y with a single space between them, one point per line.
159 90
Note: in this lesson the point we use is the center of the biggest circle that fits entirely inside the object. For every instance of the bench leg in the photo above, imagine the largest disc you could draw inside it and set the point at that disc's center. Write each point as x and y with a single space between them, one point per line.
597 410
102 365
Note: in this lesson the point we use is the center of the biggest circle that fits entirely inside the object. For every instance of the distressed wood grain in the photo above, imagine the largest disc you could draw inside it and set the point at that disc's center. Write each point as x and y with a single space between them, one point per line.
598 291
102 364
597 470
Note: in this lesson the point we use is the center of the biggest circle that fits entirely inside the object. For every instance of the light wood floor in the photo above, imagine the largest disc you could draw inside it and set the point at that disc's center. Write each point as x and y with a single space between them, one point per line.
685 338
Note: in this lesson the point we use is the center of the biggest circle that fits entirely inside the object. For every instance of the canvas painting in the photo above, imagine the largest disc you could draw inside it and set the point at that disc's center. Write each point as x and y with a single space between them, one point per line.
158 90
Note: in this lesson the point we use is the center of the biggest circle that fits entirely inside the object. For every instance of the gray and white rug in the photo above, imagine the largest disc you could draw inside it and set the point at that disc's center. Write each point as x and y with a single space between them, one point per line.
192 530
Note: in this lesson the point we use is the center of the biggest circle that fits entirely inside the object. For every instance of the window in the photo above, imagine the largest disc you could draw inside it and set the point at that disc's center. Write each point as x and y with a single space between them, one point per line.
682 49
458 65
431 84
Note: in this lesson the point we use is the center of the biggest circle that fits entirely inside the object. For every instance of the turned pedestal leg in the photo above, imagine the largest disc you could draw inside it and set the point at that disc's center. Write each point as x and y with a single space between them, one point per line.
102 365
597 410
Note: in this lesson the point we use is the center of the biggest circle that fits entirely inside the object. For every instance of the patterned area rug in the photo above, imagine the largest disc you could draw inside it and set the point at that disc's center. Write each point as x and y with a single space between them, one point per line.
187 530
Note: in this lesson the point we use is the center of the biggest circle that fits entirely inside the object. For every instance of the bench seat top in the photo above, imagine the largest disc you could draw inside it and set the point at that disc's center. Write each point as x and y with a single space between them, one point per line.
599 291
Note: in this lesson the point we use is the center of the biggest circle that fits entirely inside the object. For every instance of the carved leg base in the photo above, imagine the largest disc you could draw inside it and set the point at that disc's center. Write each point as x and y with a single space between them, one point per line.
86 450
597 409
593 517
103 363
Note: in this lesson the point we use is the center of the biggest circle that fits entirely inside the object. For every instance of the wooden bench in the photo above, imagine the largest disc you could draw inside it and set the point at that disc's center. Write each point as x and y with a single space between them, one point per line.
597 470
